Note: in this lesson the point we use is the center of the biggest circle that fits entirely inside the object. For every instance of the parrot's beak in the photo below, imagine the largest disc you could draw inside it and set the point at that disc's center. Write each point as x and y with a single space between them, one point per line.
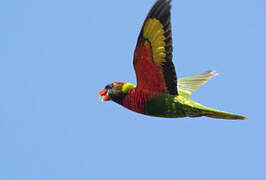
104 93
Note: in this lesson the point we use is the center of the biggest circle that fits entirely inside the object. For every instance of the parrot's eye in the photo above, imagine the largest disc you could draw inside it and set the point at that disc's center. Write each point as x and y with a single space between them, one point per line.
108 86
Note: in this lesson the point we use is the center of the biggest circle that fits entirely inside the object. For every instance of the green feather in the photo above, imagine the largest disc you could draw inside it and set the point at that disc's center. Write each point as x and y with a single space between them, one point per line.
170 106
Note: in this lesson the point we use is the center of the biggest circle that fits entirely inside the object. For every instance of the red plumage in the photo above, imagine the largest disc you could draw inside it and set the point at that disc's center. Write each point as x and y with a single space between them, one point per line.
149 76
136 99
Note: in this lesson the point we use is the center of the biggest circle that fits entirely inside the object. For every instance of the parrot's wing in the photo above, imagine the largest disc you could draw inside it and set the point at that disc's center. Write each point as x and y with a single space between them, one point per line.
188 85
153 64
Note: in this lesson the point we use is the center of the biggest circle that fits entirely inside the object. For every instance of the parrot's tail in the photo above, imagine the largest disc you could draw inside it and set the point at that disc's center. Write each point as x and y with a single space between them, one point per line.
188 85
222 115
200 110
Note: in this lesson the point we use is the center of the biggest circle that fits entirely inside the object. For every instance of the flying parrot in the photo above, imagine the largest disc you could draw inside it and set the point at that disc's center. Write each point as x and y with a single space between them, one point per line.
158 92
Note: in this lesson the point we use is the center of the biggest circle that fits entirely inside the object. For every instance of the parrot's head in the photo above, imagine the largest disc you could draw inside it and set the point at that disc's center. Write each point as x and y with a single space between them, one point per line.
115 91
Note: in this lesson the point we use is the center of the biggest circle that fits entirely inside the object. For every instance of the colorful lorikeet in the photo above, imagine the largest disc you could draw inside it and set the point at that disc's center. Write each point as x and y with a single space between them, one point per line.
158 91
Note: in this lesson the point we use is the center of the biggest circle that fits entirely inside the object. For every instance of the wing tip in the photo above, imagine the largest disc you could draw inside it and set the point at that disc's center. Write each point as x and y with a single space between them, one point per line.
211 73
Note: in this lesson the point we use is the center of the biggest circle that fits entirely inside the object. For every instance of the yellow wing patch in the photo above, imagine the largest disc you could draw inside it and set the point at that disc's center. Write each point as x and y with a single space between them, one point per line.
154 32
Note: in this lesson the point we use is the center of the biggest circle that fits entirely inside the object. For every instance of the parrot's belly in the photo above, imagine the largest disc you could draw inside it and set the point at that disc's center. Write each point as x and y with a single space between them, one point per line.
166 105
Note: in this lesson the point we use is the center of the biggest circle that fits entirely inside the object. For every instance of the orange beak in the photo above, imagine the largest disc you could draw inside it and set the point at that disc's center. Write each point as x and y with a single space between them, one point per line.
104 93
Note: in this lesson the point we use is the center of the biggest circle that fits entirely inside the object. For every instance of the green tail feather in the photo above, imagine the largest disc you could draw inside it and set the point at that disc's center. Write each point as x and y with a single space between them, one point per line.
222 115
213 113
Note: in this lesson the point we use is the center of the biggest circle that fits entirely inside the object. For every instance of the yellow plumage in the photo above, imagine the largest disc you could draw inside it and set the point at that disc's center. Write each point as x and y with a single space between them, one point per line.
154 32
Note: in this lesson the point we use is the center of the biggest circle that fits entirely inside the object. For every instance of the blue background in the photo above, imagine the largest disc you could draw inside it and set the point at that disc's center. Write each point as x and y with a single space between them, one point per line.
55 56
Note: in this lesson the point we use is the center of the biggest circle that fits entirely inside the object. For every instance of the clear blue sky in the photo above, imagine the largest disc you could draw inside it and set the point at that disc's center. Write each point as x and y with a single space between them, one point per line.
55 56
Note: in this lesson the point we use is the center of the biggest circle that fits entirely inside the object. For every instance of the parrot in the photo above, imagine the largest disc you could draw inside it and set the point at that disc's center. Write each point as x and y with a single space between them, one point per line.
159 92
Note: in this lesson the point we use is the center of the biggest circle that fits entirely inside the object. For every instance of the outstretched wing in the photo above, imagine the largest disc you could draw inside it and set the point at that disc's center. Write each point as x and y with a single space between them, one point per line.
153 64
187 85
